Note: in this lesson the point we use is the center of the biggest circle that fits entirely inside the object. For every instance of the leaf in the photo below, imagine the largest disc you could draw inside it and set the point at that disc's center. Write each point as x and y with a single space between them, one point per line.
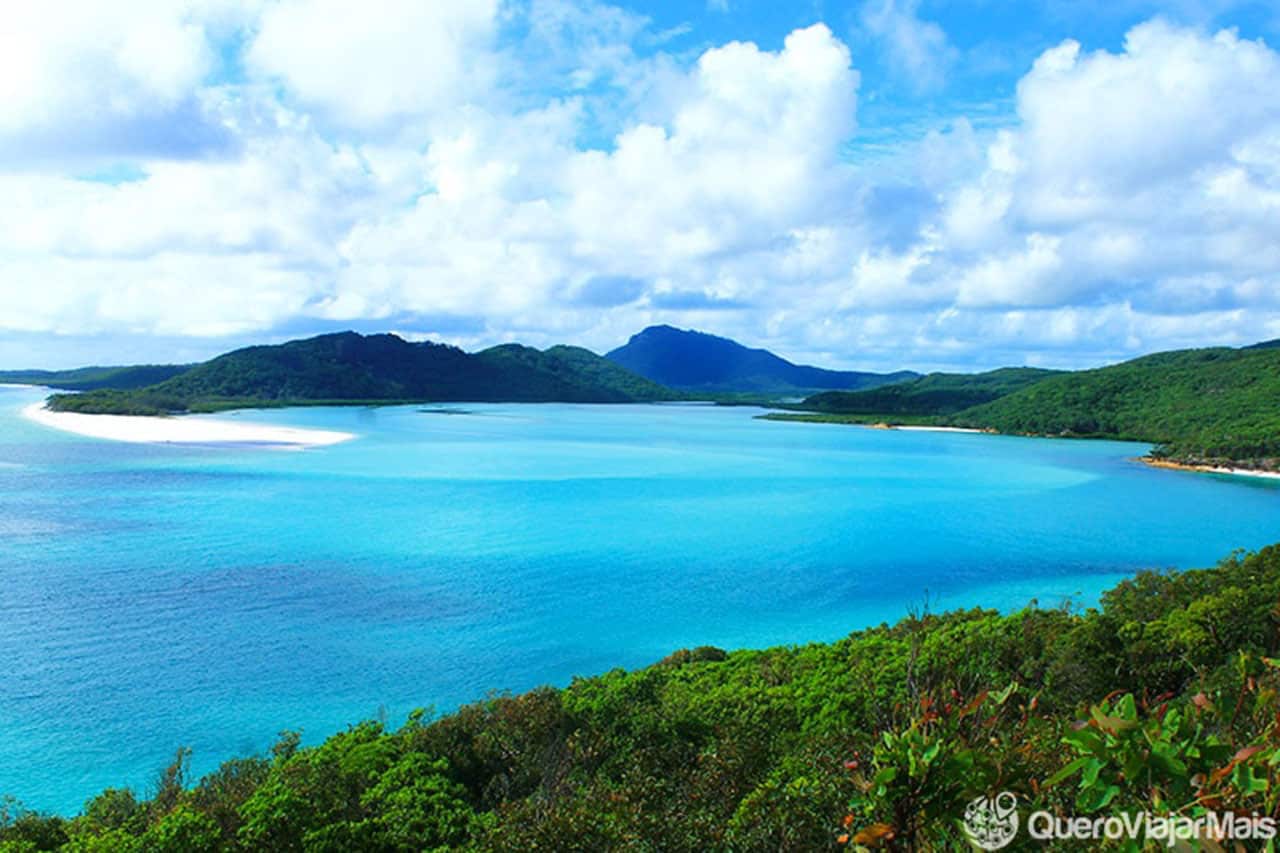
1110 724
1085 740
974 704
1003 695
1098 801
1246 753
1066 771
873 835
885 776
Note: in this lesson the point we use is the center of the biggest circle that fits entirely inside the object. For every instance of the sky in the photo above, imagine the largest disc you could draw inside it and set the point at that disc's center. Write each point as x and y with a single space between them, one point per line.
878 185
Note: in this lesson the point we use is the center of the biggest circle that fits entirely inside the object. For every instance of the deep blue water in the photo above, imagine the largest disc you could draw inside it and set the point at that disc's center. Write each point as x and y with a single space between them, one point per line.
153 597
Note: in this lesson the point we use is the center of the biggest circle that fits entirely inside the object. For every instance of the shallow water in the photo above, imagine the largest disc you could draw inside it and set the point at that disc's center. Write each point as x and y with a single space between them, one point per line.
153 597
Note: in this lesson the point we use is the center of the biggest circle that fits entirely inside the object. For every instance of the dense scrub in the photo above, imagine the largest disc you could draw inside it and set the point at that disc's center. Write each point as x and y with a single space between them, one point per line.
93 378
347 367
1164 698
935 394
1207 405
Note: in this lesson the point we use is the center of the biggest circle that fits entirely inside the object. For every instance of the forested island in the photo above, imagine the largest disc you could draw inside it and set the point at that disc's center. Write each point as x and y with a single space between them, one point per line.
1163 699
95 378
1216 407
1210 407
349 368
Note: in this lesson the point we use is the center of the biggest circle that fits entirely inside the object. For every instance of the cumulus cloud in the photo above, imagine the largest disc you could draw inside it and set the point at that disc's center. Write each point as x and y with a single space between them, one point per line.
520 213
367 64
401 170
1136 185
101 80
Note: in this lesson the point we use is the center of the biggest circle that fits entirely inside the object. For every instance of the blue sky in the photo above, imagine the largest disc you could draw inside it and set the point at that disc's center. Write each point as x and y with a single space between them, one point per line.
875 184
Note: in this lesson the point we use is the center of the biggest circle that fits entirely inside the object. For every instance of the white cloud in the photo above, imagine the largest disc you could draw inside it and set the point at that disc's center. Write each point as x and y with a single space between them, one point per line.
917 49
1145 180
90 79
403 169
519 214
365 64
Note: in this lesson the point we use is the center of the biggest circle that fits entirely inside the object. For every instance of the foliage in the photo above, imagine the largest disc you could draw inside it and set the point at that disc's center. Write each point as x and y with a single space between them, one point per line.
1163 698
935 394
94 378
1205 407
1200 406
348 368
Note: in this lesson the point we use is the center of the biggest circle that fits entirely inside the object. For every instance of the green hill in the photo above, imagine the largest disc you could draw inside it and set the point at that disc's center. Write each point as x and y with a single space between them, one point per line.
578 367
935 394
350 368
93 378
1163 700
1199 406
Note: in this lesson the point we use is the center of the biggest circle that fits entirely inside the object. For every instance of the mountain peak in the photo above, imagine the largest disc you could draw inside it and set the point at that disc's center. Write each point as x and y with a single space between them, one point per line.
692 360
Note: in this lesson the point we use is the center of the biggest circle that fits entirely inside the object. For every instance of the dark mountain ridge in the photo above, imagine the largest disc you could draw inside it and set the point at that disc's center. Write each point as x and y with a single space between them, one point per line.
699 362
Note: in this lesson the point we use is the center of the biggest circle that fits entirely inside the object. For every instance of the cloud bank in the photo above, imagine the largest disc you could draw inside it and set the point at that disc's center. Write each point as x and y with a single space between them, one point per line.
550 171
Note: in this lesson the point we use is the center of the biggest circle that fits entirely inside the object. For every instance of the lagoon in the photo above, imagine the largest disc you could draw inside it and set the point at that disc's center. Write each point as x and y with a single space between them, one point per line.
156 596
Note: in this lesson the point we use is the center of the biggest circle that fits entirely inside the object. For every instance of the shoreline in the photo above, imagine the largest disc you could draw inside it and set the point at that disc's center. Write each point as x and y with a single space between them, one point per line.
182 430
1207 469
908 427
837 420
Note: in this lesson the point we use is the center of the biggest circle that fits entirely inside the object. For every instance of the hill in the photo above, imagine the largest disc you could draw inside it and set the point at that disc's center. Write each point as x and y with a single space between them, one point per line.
698 362
93 378
351 368
935 394
1203 406
1161 700
578 367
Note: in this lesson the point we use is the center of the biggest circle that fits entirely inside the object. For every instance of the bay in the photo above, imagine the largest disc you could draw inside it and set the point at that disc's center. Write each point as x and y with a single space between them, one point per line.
158 596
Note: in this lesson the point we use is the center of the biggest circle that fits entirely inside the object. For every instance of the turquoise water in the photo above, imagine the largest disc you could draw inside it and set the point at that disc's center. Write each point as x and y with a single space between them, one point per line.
153 597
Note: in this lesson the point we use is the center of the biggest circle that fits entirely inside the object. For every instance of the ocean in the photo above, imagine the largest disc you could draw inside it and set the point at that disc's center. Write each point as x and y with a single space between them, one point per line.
160 596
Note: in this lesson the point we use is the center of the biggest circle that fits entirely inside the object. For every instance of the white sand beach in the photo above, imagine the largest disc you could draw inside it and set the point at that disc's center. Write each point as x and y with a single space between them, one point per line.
1209 469
182 430
938 429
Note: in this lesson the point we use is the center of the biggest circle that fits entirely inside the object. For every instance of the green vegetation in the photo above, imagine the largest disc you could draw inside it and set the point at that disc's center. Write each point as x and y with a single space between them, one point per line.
576 366
1206 406
878 419
1217 407
351 368
1164 699
94 378
935 394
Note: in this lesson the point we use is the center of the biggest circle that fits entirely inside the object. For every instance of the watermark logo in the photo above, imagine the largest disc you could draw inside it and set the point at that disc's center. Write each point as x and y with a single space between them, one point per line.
992 822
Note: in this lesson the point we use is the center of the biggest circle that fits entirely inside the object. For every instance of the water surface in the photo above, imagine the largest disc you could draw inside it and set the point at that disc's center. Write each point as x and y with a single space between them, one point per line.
153 597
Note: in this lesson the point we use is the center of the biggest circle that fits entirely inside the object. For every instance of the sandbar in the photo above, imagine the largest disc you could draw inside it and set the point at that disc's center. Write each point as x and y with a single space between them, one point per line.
182 429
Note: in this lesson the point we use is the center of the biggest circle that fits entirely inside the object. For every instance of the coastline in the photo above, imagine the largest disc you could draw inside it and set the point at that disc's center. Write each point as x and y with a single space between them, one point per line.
182 430
907 427
864 421
1208 469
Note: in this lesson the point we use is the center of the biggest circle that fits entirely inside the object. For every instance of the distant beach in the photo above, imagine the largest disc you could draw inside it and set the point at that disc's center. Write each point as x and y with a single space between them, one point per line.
1209 469
937 429
182 430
